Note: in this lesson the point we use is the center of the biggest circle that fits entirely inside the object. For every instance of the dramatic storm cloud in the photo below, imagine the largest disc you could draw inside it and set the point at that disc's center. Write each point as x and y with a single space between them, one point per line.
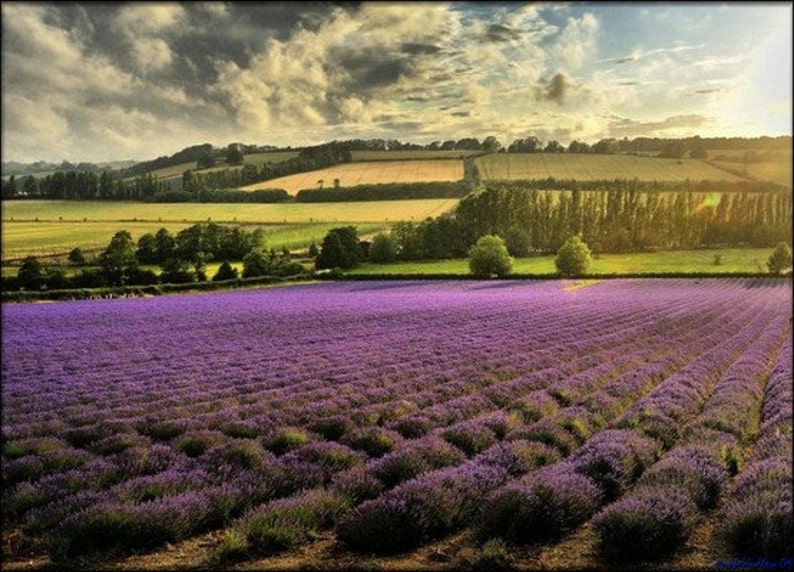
113 81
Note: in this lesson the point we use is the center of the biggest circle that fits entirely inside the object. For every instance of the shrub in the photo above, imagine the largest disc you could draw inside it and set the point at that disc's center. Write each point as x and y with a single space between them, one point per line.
519 457
329 456
285 523
780 259
614 459
383 249
412 427
418 511
225 272
493 555
535 406
551 433
648 525
374 441
489 257
332 428
379 526
759 525
573 257
414 459
471 437
195 443
757 520
692 471
358 484
287 439
545 505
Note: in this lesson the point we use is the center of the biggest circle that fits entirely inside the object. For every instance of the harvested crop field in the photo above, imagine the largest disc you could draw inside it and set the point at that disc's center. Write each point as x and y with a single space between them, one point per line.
424 424
368 173
583 167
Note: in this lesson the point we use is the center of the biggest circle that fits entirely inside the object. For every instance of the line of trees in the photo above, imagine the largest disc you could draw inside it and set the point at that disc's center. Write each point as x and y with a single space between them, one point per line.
308 159
615 220
181 257
84 185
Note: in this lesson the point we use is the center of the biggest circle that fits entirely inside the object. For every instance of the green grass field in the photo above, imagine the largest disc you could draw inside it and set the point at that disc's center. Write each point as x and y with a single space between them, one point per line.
583 167
736 260
42 239
94 211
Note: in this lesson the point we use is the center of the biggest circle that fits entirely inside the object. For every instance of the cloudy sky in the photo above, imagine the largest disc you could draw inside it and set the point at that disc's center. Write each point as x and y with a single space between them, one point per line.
113 81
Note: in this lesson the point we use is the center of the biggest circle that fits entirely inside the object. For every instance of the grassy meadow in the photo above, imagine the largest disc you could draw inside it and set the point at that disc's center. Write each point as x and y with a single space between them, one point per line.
584 167
44 228
365 211
732 260
367 173
42 239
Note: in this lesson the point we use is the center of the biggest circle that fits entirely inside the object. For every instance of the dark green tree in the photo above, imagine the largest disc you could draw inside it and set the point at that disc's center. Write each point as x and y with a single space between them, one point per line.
31 275
780 259
489 257
147 249
177 271
573 257
234 154
256 263
118 259
76 257
205 160
225 272
166 245
383 249
341 248
491 144
518 241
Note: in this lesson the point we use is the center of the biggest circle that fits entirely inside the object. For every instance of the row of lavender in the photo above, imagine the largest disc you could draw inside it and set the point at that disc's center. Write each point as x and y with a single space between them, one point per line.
146 421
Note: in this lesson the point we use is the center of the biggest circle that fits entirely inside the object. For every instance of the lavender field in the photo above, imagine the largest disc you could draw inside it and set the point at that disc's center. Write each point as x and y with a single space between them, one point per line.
394 414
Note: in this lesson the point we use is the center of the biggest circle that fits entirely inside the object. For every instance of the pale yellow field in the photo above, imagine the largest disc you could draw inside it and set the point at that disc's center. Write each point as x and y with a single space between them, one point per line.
775 165
583 167
368 173
98 211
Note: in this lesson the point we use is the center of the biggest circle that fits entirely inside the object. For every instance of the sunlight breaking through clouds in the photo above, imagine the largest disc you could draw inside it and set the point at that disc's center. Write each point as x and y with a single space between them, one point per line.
112 81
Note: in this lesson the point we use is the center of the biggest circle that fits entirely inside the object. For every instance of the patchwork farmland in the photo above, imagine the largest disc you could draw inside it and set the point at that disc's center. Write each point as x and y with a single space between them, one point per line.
35 228
585 167
374 172
428 418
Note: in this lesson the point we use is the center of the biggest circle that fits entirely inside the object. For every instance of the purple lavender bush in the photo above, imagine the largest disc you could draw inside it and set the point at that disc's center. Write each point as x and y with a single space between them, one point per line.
544 505
757 519
647 525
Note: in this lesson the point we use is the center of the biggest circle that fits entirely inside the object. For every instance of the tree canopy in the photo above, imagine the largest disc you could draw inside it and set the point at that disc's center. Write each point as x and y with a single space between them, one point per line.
573 257
489 257
780 259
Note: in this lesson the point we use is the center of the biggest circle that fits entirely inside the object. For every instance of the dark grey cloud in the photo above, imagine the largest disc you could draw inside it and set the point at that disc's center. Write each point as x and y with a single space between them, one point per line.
501 33
557 89
415 48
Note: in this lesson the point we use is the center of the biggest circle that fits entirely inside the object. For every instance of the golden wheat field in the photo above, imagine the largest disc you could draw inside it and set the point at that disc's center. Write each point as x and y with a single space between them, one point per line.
367 173
581 167
773 165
